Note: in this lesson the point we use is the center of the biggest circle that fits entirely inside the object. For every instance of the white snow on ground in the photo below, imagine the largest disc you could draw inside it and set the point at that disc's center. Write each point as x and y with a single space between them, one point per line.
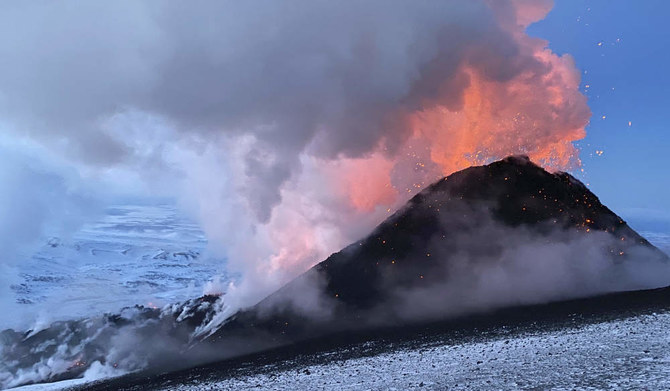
633 353
135 254
625 354
51 386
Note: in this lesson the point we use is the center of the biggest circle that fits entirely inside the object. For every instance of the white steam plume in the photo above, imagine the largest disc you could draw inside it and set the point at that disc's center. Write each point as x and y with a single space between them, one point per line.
289 129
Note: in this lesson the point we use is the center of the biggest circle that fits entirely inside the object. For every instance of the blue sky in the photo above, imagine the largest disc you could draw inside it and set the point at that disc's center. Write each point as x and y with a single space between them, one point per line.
621 47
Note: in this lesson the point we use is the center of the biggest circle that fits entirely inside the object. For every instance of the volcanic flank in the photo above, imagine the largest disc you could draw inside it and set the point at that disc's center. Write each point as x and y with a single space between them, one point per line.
501 235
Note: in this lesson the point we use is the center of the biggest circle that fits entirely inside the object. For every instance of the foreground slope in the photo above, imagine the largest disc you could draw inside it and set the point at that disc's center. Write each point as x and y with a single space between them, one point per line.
608 342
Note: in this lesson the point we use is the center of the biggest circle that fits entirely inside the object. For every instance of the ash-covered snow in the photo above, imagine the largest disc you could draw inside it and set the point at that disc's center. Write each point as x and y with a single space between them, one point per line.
632 353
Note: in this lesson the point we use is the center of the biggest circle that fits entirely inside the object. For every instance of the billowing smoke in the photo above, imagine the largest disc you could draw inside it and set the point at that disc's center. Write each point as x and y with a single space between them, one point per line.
289 129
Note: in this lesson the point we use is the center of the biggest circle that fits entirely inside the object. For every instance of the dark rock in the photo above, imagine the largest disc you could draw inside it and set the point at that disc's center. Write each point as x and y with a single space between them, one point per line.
360 280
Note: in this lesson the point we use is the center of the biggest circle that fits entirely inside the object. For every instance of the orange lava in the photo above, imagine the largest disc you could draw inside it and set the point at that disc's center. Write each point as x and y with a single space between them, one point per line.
538 112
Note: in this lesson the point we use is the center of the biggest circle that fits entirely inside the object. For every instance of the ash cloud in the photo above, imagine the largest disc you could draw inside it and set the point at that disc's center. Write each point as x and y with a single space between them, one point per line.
282 72
245 108
288 129
291 129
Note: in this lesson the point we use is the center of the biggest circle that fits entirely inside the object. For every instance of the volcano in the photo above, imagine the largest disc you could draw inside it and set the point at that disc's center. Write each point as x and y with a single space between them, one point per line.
482 238
505 235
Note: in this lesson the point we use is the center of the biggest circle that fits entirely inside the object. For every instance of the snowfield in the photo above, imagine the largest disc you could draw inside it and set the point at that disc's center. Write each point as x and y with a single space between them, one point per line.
632 353
135 254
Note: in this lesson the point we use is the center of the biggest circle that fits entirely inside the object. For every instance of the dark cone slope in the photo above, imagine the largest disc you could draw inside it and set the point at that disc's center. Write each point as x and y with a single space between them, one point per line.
466 215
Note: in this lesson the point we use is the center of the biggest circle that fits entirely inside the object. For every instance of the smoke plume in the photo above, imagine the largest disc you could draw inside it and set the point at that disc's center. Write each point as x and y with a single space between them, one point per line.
289 129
